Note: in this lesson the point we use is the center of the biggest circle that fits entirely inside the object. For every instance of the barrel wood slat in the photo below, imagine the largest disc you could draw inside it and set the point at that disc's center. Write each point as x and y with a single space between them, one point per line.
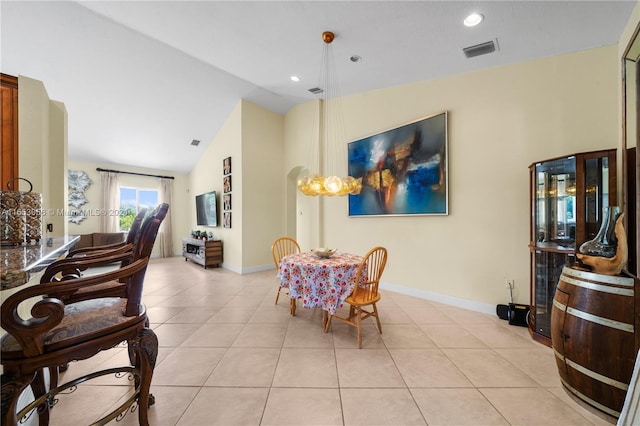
592 334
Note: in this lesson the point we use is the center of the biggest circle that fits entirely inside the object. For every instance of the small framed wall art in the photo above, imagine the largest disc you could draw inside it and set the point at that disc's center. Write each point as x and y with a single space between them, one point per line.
226 183
226 166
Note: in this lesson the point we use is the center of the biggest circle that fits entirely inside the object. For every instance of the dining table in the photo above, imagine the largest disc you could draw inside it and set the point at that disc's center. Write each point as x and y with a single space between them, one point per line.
320 282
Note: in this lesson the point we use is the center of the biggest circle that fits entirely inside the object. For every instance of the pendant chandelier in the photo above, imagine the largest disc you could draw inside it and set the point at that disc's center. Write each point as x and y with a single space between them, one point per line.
330 124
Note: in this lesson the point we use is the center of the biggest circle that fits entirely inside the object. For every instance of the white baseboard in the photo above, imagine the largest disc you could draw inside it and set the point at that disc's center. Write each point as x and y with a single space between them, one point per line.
472 305
257 269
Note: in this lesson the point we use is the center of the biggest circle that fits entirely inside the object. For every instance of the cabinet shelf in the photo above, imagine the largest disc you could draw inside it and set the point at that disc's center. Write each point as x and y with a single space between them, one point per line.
203 252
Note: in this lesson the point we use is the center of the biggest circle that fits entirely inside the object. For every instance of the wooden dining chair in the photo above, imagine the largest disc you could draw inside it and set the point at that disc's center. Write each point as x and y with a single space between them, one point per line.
365 292
77 262
279 249
132 238
61 330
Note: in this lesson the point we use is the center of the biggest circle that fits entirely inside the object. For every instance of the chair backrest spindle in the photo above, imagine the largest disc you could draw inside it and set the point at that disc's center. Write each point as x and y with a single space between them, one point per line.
283 247
369 273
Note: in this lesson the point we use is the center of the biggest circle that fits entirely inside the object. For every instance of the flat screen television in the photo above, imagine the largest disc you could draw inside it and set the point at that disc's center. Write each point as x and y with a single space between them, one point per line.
207 209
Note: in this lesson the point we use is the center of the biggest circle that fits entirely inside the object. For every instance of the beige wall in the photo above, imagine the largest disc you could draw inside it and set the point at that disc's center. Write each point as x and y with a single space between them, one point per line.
207 176
42 126
262 184
179 215
253 137
500 121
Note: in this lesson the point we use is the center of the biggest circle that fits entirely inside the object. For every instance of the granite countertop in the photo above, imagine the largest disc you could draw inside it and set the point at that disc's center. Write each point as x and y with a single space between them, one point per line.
18 262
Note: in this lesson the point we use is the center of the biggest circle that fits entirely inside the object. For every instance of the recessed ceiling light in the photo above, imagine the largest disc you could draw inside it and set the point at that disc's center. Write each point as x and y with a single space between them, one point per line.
295 78
473 20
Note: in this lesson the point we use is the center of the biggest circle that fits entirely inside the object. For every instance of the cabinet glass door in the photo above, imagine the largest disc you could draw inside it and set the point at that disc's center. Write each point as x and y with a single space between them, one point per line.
555 200
549 267
596 194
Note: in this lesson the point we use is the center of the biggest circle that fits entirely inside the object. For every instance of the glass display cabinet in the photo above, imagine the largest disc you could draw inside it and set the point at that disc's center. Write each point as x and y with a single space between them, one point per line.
568 196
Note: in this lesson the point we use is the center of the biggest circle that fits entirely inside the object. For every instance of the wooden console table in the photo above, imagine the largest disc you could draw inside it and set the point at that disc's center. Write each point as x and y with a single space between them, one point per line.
202 252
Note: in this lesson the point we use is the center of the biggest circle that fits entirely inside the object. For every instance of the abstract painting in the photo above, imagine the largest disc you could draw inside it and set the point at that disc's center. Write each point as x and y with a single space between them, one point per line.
403 171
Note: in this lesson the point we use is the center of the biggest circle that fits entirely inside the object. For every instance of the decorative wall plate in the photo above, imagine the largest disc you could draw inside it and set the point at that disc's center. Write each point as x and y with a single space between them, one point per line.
78 180
76 216
77 199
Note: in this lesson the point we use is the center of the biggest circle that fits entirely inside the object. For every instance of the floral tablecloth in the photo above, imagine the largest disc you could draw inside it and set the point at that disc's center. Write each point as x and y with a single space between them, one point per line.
323 283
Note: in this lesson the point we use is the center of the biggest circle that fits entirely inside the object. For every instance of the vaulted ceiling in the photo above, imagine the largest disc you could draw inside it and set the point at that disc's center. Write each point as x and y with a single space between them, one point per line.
142 79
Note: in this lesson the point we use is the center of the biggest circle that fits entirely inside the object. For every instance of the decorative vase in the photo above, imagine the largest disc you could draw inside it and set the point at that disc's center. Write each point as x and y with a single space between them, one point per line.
605 242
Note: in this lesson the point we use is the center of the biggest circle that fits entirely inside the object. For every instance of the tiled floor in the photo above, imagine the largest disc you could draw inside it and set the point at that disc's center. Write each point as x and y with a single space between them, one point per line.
229 356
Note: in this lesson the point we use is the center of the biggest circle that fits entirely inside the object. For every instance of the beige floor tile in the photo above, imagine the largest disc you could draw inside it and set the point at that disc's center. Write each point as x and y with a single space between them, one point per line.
159 315
538 363
306 368
367 368
300 407
428 315
307 336
168 289
310 316
462 406
386 300
187 366
451 336
428 368
174 334
103 359
245 301
271 314
501 336
346 336
151 300
465 316
595 416
486 368
214 335
86 405
235 315
532 406
405 336
410 301
380 407
226 407
261 336
171 403
197 300
245 367
393 316
259 291
194 315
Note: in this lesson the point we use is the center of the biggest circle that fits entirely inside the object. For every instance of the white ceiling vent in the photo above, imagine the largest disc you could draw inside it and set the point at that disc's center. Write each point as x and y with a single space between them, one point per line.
316 90
195 142
480 49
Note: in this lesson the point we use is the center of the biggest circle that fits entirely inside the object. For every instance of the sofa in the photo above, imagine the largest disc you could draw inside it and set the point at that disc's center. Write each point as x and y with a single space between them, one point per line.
100 239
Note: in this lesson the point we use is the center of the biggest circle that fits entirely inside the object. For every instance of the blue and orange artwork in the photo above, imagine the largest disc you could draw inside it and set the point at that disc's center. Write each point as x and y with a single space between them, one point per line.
403 171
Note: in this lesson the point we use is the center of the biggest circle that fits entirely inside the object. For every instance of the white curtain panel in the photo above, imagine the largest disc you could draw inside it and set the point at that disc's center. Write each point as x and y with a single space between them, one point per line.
165 239
110 202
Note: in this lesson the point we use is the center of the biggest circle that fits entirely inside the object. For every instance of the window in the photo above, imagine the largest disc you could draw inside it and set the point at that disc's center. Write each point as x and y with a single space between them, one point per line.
132 200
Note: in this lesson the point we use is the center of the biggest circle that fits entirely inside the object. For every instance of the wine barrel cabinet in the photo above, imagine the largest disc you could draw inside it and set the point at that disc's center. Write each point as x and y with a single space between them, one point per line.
592 334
